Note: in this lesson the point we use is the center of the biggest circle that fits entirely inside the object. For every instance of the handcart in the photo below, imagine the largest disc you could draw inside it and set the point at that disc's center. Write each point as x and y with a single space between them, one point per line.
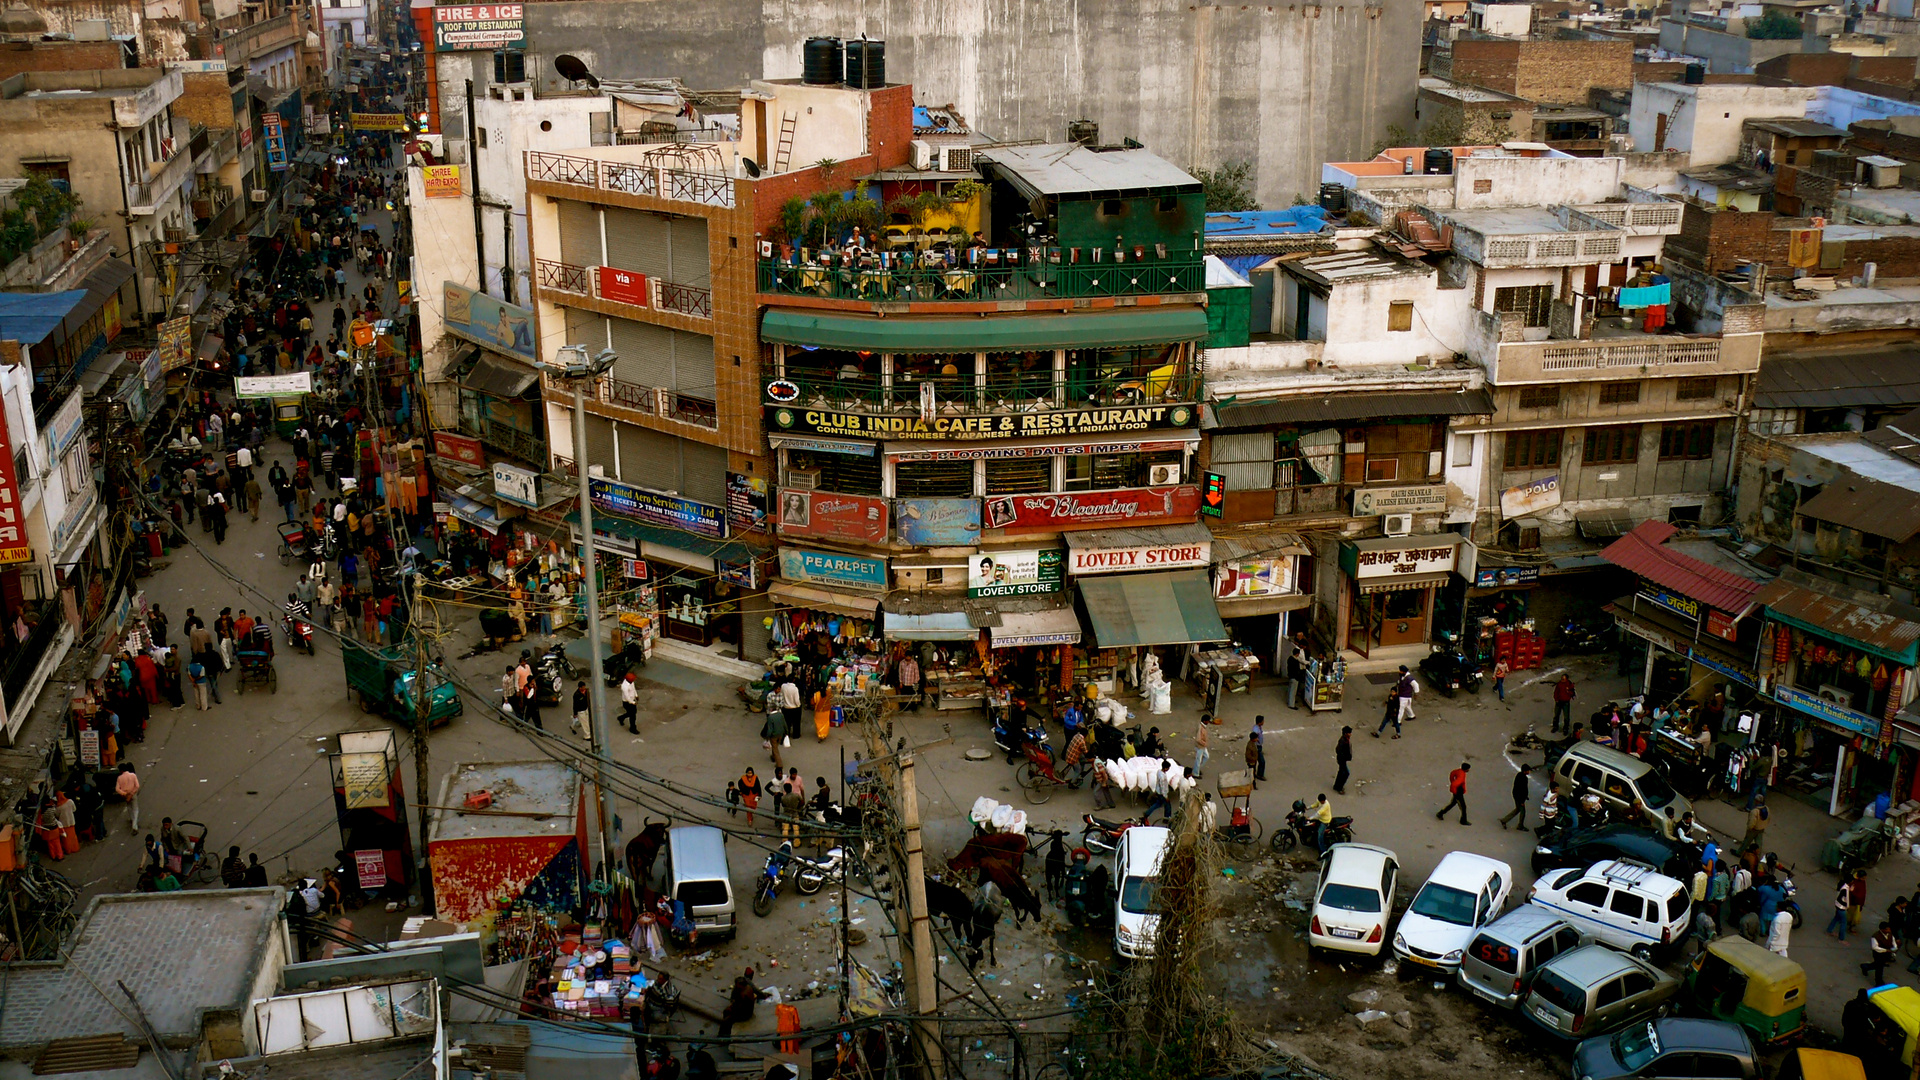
1242 831
255 668
294 541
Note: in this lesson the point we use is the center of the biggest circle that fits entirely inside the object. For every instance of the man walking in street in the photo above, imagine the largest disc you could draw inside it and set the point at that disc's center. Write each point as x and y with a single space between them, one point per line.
630 703
1343 757
1399 704
1457 783
1757 820
1562 703
1202 748
1521 792
1253 752
1260 747
1296 669
582 723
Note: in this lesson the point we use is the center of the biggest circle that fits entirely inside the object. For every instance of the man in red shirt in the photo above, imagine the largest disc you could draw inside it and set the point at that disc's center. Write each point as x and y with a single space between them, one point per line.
1457 783
1563 704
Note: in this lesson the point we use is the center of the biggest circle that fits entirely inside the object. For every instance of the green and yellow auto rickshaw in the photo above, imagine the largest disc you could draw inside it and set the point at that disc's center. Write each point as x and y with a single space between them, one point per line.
1806 1063
1734 980
286 416
1893 1025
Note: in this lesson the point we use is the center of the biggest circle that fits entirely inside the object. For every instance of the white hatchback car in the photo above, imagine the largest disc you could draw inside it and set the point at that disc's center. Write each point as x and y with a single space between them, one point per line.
1354 901
1464 893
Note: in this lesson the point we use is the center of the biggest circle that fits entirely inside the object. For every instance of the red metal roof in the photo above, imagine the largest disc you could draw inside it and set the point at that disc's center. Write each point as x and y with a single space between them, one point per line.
1644 552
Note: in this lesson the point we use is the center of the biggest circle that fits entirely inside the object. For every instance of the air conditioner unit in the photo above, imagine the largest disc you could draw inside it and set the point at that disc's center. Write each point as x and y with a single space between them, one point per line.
258 194
1837 696
956 159
922 154
1396 524
802 479
1163 475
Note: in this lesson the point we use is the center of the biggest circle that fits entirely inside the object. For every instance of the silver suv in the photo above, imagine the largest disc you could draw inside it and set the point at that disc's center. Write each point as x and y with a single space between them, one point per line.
1593 990
1504 956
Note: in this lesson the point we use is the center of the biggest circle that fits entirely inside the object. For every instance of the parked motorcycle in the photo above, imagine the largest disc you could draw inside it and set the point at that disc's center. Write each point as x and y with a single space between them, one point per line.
1301 828
555 669
1448 669
778 869
811 875
1577 636
1014 744
1101 836
632 657
1086 891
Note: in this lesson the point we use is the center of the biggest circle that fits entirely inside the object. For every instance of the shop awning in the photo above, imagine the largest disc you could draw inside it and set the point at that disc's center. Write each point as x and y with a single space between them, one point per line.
498 378
100 286
1136 326
1055 626
1241 607
821 444
210 346
1404 582
1351 405
1174 608
933 626
814 598
1866 504
663 538
1644 552
29 317
474 513
1264 544
1879 624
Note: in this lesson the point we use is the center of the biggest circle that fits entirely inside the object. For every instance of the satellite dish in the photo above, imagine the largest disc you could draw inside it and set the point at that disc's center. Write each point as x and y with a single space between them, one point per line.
748 164
574 69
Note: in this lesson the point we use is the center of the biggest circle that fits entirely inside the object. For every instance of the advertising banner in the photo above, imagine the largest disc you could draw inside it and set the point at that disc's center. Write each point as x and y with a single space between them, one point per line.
516 485
13 534
272 386
441 181
657 508
1016 573
622 286
275 138
1253 577
832 516
1060 422
378 121
833 568
746 502
1411 499
479 27
1541 494
461 448
937 522
1083 561
176 343
483 320
1092 510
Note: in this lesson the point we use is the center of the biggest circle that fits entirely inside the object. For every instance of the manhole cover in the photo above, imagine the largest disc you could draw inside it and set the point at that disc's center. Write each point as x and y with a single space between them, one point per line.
977 754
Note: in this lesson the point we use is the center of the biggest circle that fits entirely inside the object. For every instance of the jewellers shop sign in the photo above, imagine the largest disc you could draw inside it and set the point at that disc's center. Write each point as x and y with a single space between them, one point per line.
1373 564
1057 423
1084 561
1052 511
657 508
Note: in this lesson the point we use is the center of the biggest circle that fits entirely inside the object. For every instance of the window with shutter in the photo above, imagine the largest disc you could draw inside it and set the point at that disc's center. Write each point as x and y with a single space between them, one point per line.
1245 460
645 353
693 365
649 458
638 241
703 471
600 445
687 256
580 234
586 328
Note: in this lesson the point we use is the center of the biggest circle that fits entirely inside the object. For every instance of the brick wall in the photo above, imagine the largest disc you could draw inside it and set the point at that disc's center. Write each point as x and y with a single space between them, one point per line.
1655 71
205 99
890 126
1809 69
16 57
1563 72
1717 240
1492 64
1886 69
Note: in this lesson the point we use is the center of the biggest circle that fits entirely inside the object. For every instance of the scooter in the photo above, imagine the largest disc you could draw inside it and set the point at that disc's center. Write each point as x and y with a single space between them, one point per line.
1302 829
1077 888
1447 668
1015 745
299 632
1580 637
776 871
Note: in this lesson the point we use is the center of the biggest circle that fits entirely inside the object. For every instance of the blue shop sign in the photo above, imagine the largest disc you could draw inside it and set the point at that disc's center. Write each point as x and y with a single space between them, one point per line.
1838 715
1731 672
1674 602
657 508
833 568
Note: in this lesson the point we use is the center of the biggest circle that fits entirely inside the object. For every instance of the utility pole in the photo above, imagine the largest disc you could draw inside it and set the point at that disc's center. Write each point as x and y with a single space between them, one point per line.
923 994
422 708
575 366
473 174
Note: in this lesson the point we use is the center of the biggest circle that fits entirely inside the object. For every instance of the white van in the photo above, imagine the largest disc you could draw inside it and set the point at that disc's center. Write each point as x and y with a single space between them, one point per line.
697 876
1136 903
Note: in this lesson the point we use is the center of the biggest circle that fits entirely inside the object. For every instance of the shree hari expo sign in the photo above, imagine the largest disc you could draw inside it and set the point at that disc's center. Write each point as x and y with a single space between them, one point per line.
1019 426
441 181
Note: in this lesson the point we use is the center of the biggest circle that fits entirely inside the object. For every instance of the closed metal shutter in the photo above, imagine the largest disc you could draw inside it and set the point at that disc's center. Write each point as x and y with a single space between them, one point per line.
586 328
638 241
1245 460
650 458
703 472
693 365
600 445
580 234
688 253
755 637
645 352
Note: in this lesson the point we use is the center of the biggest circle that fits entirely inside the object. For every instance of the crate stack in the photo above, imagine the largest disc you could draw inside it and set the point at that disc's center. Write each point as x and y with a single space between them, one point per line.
1521 648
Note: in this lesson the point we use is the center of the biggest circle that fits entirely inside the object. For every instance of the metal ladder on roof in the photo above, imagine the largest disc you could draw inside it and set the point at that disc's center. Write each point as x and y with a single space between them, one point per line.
783 153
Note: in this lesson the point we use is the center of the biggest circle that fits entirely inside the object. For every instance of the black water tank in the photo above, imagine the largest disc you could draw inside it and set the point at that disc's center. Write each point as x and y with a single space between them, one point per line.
820 62
1333 198
866 64
1438 161
1696 74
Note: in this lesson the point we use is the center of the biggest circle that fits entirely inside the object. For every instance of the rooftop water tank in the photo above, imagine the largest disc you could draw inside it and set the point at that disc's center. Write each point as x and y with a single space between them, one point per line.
820 61
866 64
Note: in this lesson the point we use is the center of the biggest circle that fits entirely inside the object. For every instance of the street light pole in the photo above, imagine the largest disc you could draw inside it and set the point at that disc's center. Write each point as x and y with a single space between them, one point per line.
576 367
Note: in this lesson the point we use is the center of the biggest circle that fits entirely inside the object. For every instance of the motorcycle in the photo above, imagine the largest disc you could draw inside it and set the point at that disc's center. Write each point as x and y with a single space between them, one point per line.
1526 740
811 875
1301 828
299 632
778 869
1448 669
1082 897
632 657
1015 745
1581 637
555 669
1747 901
1102 836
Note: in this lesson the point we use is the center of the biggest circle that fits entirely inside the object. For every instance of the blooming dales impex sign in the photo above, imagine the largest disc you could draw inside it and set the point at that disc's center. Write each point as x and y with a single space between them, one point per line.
1093 509
13 538
657 508
479 27
1023 425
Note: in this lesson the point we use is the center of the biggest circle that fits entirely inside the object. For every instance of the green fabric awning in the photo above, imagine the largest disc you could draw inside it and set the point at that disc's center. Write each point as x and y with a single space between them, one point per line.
994 333
1174 608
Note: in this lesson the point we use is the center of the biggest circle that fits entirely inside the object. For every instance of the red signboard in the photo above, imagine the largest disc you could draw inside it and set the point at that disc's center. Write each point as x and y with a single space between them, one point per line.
1092 509
13 534
371 866
622 286
1720 624
832 516
461 448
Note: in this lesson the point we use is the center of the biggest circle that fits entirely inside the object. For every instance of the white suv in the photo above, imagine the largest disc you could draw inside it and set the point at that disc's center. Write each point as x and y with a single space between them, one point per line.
1623 904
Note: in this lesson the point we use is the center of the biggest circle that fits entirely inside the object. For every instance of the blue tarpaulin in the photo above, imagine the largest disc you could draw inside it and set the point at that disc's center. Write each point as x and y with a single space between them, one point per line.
29 317
1294 220
1647 295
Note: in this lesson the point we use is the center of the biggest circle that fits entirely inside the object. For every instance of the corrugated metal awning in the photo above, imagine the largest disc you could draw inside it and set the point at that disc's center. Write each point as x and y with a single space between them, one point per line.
1054 626
1404 582
1869 506
814 598
933 626
1174 608
1133 326
1878 624
1888 378
1643 552
1332 408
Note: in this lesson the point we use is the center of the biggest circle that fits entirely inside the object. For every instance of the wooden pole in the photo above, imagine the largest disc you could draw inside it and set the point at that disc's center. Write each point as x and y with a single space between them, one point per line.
922 965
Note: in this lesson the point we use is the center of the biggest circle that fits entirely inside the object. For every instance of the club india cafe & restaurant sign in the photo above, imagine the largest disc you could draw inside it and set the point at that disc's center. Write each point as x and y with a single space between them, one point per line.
781 418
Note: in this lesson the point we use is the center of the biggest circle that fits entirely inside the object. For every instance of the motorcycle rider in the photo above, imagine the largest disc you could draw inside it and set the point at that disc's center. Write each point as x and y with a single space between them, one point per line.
1323 817
299 613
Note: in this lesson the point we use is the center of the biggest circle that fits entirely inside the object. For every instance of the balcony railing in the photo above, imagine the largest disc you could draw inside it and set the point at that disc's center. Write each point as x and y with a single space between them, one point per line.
647 400
163 179
1308 499
1638 355
512 441
1015 274
19 660
1011 393
685 299
631 178
564 277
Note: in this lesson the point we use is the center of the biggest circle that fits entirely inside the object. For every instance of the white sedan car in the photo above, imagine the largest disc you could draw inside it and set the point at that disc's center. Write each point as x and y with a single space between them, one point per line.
1464 893
1354 901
